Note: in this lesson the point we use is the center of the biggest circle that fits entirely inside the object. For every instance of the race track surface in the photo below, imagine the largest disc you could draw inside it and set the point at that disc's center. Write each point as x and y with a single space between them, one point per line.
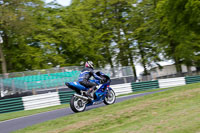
22 122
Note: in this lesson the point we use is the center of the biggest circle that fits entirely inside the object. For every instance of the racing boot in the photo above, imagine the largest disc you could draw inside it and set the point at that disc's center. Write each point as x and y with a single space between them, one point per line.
89 93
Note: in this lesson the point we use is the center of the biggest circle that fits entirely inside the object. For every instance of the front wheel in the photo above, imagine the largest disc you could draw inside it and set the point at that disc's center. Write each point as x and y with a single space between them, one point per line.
110 98
77 104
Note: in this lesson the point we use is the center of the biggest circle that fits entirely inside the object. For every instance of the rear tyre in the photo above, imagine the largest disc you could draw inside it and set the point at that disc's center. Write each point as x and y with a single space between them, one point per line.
110 98
77 104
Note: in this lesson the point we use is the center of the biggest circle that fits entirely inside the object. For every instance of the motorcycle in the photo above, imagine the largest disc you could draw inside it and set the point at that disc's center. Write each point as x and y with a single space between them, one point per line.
102 94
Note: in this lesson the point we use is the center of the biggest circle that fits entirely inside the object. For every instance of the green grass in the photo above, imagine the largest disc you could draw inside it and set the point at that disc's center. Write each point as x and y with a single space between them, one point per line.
173 111
143 91
12 115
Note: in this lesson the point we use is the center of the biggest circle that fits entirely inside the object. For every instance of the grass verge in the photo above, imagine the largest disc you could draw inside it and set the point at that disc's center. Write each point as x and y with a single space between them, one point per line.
12 115
173 111
144 91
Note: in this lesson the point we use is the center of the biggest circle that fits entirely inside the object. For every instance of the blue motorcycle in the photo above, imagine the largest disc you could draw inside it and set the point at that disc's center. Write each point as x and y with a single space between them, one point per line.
103 93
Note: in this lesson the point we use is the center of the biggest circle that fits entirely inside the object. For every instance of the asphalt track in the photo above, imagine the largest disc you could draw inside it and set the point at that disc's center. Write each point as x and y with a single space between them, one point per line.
22 122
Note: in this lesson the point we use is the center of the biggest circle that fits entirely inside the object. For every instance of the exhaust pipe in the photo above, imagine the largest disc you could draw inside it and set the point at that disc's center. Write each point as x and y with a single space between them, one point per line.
80 96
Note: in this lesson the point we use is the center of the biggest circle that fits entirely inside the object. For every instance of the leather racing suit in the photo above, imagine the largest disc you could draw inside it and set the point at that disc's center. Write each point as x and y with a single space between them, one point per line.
85 75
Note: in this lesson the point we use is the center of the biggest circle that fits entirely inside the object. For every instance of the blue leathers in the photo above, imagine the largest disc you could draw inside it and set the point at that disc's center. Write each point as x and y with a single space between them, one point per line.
85 75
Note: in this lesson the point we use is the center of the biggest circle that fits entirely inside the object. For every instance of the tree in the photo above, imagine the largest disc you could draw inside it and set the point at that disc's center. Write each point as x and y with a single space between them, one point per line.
177 24
142 21
16 20
24 47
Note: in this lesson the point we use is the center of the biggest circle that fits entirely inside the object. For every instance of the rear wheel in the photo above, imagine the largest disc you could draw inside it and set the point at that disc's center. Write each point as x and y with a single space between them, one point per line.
77 104
110 98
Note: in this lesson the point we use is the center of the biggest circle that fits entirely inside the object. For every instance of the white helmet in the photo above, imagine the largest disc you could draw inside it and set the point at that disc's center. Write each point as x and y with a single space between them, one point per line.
89 64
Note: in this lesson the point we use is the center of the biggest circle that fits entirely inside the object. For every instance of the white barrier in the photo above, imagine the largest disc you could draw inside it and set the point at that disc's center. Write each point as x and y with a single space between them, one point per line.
122 88
41 101
52 99
171 82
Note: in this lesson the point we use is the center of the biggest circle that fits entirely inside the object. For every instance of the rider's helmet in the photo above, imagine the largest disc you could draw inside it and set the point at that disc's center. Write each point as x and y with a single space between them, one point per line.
89 64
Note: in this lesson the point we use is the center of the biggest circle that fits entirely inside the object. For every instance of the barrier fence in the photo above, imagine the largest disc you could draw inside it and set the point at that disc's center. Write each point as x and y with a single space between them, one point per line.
112 72
11 105
192 79
63 97
19 82
141 86
41 101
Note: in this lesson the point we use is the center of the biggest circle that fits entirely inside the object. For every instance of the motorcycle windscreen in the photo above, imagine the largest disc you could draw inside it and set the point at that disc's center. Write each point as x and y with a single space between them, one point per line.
78 86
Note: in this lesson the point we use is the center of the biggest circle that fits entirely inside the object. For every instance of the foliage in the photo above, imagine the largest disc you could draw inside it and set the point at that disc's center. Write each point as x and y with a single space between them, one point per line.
115 32
180 23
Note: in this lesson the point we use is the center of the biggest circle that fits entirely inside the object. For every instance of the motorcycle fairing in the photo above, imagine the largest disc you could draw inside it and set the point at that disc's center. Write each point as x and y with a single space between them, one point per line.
78 86
100 94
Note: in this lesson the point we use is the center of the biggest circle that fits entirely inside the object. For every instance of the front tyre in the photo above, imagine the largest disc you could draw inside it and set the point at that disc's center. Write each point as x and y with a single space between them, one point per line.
77 104
110 98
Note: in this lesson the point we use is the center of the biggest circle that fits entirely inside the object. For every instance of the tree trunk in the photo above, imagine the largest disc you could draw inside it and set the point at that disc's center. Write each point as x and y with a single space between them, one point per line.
173 46
189 70
143 62
178 66
133 65
155 3
198 68
110 60
122 58
3 61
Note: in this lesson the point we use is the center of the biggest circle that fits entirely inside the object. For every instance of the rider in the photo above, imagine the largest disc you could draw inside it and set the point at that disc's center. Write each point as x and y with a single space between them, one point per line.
85 75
